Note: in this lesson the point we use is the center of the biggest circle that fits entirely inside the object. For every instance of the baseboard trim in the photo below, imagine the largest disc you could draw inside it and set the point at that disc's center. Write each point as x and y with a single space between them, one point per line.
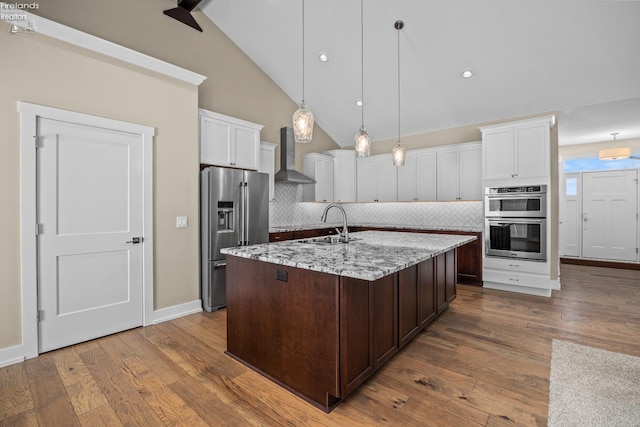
12 355
600 263
517 288
175 311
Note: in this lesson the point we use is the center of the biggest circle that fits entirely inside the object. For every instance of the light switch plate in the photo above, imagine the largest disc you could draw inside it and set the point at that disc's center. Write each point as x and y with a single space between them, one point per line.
182 221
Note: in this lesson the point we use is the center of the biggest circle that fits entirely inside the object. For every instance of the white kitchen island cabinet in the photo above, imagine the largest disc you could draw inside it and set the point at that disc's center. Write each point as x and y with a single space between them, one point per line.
517 150
227 141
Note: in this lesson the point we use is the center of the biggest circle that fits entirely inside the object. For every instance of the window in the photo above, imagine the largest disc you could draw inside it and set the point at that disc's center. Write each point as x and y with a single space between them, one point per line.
572 186
595 164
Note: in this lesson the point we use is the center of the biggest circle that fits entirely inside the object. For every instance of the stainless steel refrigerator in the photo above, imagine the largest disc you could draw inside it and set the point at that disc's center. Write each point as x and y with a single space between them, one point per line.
234 212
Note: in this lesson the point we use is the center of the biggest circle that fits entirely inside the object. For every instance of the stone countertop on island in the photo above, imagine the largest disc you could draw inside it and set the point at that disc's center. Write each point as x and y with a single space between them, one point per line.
284 228
369 255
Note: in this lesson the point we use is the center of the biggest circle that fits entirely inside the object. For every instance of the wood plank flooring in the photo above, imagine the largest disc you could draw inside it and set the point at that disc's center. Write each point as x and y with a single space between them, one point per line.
484 362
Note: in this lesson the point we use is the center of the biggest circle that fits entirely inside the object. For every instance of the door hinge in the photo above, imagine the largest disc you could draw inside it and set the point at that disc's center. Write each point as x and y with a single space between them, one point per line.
39 229
40 315
38 141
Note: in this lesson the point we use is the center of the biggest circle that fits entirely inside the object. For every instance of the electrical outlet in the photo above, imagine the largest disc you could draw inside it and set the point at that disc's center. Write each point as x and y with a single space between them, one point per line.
182 221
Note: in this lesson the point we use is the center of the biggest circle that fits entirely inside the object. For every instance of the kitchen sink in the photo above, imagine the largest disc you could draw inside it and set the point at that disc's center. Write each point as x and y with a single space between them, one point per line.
326 240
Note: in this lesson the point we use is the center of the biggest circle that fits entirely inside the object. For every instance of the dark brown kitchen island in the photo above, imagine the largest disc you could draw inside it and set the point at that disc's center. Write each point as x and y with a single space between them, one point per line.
319 319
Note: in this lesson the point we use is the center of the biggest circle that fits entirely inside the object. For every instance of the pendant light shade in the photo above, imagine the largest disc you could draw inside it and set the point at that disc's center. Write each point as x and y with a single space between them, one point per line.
303 118
399 152
303 124
616 153
362 140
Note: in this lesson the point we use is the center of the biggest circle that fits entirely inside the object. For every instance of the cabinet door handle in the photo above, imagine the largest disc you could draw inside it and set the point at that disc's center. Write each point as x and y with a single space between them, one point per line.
514 280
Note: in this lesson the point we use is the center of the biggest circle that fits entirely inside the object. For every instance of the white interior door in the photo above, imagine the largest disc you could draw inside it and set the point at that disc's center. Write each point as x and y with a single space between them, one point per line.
570 214
609 223
90 211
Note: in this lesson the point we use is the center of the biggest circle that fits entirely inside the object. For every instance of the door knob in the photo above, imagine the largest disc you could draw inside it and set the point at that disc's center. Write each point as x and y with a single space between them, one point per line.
135 240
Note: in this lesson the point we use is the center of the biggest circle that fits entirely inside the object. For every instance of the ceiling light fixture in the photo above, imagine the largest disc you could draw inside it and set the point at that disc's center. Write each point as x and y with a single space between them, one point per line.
323 57
303 117
359 103
615 153
399 152
362 140
467 74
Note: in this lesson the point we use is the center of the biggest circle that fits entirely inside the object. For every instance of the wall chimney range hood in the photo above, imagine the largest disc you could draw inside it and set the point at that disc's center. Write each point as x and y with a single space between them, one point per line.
287 173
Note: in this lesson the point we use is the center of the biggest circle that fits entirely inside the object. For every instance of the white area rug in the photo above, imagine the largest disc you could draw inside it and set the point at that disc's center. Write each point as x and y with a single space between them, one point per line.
593 387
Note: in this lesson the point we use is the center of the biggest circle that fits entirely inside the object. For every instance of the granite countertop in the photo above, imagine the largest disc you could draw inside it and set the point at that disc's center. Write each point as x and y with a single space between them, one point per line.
369 255
283 228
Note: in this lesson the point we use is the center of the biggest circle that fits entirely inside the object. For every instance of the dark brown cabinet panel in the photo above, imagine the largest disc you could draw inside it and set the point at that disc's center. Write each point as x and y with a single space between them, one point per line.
385 318
450 275
356 333
280 236
441 282
408 304
427 292
284 321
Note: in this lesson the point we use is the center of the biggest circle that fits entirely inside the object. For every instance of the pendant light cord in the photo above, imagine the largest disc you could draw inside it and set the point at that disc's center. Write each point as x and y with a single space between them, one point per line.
302 51
400 27
362 59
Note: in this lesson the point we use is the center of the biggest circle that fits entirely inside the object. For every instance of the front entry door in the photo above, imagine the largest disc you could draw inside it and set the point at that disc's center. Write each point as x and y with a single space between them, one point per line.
609 221
89 214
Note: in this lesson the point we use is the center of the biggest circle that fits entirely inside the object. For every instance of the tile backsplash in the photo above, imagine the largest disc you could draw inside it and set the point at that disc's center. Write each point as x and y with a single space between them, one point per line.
288 209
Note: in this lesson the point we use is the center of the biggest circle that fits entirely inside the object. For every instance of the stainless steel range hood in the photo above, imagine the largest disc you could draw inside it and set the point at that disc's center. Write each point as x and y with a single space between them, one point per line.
287 173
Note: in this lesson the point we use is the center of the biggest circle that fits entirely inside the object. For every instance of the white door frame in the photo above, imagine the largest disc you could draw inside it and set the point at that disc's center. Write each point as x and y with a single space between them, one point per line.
28 205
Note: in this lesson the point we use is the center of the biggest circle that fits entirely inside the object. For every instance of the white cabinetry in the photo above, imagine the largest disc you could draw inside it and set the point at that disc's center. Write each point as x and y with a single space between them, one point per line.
377 179
268 164
319 167
344 175
417 178
407 178
517 150
530 277
227 141
459 172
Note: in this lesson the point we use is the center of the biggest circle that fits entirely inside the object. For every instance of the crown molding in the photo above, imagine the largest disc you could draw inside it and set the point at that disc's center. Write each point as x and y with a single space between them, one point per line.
72 36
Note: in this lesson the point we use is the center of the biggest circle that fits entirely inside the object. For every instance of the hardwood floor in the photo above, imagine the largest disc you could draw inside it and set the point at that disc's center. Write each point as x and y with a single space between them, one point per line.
484 362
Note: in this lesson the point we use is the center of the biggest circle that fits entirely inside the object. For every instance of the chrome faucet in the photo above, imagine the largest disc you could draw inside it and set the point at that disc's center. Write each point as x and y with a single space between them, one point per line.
344 234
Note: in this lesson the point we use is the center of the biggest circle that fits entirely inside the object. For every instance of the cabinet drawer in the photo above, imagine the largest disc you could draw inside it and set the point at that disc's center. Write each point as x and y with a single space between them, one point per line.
517 279
517 266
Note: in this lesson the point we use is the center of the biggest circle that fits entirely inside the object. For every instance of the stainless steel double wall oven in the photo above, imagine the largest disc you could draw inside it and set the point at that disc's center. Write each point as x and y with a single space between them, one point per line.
516 222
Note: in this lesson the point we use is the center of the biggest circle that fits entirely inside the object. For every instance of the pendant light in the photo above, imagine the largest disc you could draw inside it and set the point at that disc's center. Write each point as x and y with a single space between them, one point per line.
362 140
303 117
398 152
615 153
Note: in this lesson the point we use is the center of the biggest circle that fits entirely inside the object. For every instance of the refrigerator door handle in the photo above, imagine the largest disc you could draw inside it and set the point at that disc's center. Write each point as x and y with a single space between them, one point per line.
246 216
241 215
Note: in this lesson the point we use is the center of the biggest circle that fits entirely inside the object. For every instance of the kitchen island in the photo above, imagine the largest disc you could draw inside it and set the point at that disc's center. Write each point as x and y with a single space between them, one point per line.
320 318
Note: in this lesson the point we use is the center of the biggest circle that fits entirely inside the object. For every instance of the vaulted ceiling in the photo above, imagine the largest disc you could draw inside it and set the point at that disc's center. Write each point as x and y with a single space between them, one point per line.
528 57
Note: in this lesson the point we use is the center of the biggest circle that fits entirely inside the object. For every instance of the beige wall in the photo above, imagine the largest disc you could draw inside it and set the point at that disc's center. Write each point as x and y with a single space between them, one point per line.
50 73
591 150
235 85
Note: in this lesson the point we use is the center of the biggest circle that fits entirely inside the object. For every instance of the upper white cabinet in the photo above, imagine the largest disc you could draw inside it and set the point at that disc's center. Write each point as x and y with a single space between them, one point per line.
407 179
459 172
344 175
268 164
319 167
417 178
517 150
227 141
377 179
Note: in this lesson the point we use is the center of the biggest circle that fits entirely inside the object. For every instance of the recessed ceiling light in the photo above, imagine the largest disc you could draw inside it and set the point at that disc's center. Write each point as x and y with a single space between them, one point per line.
467 74
323 57
359 103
